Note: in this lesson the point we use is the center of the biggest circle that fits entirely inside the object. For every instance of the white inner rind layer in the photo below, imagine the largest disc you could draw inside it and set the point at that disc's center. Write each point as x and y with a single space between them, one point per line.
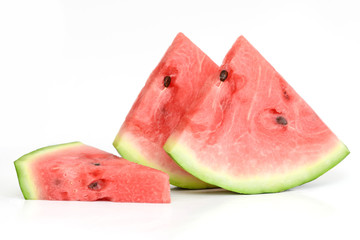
185 157
126 146
27 180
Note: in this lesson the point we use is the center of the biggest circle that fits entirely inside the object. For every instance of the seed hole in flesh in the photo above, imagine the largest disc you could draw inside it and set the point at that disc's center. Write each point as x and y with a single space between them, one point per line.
94 186
104 199
167 80
281 120
223 75
97 185
286 95
284 88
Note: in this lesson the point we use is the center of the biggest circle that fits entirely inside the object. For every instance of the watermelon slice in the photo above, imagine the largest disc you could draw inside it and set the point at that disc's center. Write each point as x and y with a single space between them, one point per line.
175 83
252 133
75 171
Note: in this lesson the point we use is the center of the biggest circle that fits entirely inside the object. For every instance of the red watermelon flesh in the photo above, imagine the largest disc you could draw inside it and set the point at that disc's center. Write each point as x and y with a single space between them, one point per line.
251 132
172 87
75 171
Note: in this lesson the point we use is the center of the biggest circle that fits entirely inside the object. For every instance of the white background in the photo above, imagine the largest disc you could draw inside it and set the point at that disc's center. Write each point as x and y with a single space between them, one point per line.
70 71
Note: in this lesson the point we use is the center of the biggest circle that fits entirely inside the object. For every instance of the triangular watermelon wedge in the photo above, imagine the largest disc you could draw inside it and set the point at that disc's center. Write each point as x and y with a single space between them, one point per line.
252 133
172 87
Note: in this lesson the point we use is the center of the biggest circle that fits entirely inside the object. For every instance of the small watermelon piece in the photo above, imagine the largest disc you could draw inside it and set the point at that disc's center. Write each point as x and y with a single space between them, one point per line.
74 171
175 83
252 133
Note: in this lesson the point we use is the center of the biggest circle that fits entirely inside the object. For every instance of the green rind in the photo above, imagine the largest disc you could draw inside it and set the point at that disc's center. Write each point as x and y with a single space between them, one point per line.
184 156
128 151
22 165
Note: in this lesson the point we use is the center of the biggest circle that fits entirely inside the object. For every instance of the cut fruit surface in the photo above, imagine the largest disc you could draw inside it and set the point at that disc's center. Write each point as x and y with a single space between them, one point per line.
75 171
182 74
251 132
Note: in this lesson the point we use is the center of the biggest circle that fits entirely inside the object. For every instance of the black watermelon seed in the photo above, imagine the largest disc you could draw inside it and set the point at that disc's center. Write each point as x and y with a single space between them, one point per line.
96 164
286 95
223 75
281 120
167 81
94 186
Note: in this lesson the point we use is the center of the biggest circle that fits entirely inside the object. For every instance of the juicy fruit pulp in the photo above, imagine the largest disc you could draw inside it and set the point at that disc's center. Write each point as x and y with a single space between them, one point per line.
75 171
251 132
172 87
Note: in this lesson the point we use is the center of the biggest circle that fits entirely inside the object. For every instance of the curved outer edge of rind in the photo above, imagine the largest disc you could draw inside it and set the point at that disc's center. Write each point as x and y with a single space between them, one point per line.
185 158
24 174
127 150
